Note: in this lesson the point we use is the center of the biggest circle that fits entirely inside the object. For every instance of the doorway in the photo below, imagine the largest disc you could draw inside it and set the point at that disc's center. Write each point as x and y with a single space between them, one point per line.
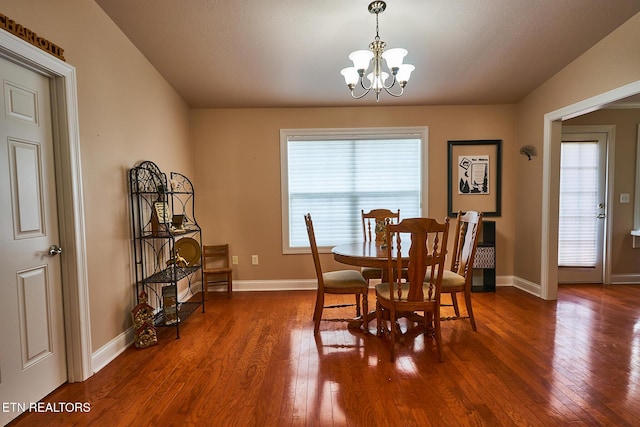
551 178
582 206
62 86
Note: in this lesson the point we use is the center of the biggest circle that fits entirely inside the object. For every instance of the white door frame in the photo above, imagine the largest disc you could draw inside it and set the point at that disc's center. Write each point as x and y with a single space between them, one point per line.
64 106
551 180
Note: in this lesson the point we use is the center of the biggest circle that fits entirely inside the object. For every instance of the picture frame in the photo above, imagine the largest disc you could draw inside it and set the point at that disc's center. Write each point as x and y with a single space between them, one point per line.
475 177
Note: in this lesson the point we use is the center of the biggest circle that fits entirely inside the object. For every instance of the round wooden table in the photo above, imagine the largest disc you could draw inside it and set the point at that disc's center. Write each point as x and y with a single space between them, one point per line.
367 254
370 254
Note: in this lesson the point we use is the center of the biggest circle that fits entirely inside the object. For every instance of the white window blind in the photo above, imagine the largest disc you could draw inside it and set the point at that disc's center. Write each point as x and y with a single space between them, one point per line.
578 204
334 177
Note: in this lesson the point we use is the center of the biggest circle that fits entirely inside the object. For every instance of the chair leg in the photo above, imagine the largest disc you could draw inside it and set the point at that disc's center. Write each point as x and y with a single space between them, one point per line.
229 286
317 312
379 330
438 337
393 325
358 312
467 300
365 308
454 301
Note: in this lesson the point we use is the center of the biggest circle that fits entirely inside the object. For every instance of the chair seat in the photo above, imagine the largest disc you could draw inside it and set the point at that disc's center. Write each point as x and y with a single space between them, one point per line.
343 279
382 291
449 279
217 270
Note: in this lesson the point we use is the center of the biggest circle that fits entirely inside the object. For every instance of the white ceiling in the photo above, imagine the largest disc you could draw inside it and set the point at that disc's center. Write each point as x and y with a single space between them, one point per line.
289 53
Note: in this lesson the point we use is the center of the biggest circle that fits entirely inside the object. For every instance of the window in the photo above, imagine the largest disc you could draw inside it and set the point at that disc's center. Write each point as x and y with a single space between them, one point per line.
579 198
335 173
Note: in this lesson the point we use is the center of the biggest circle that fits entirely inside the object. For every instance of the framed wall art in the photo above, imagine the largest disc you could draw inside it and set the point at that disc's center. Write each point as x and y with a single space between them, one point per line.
475 172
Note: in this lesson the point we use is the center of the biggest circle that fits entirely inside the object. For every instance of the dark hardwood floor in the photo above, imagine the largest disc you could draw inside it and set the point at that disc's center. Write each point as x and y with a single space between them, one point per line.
253 361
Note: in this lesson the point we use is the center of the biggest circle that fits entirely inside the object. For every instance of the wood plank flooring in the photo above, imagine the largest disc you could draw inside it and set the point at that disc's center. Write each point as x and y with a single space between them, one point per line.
253 361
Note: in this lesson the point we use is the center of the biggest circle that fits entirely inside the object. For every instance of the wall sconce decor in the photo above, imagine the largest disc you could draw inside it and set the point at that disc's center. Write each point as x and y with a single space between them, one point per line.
529 151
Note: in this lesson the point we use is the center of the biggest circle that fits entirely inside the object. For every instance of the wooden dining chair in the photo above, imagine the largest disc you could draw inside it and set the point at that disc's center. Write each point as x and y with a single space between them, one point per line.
458 278
335 282
419 292
373 227
216 269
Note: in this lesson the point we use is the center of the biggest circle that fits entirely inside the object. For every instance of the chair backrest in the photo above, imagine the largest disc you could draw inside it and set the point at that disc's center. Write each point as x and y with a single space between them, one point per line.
216 256
314 250
375 221
428 248
466 240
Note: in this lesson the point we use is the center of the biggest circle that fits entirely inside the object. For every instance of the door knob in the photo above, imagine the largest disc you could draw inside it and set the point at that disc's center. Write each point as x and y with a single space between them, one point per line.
54 250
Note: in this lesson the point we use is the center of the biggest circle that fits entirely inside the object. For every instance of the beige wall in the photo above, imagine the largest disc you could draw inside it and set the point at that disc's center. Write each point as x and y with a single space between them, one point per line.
237 161
612 63
127 113
624 259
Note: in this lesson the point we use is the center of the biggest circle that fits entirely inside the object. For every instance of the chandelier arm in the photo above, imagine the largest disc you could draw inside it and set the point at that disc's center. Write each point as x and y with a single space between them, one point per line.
393 94
365 87
360 96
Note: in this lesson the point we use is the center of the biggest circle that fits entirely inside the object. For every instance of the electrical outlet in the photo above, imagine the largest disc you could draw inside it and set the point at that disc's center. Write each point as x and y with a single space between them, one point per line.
624 197
254 259
234 260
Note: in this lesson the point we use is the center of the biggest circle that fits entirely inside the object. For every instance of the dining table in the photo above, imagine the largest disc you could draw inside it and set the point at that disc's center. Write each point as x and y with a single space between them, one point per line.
372 254
368 254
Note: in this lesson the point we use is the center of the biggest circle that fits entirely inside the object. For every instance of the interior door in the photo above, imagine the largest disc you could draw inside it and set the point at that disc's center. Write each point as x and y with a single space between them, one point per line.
32 352
581 232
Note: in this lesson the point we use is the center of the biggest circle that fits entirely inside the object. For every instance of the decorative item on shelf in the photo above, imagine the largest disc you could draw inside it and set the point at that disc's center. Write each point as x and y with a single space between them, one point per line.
145 332
160 215
529 151
362 59
170 305
177 261
189 249
177 225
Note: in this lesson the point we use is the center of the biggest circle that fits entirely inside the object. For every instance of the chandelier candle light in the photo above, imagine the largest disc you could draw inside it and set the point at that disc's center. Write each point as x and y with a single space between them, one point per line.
377 78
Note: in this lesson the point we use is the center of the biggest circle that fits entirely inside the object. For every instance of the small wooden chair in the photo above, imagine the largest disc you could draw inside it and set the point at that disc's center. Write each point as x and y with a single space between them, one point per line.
373 226
458 279
421 291
335 282
216 268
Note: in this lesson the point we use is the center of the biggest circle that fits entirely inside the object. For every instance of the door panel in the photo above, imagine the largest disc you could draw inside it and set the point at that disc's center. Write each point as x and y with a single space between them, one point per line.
582 208
32 354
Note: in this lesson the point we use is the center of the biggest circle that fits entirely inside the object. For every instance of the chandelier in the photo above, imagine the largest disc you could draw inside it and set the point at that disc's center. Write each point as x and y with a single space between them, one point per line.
362 59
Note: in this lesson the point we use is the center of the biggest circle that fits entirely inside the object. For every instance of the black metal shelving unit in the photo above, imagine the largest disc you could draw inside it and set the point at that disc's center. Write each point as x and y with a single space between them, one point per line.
155 239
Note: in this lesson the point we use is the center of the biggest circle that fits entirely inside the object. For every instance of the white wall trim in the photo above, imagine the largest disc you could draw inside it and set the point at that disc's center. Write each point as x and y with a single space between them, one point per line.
108 352
626 279
70 197
527 286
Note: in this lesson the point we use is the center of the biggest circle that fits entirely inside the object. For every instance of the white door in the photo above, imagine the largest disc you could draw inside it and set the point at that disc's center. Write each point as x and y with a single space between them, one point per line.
582 208
32 346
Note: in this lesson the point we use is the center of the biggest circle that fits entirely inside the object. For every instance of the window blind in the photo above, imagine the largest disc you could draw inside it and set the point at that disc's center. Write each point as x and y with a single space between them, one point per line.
334 179
578 204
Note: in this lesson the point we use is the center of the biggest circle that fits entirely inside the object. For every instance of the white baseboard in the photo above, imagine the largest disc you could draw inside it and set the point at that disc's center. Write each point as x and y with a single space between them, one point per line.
625 279
111 350
527 286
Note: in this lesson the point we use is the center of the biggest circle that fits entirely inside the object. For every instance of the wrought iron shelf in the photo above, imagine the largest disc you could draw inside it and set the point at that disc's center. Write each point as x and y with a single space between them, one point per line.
185 309
155 243
171 274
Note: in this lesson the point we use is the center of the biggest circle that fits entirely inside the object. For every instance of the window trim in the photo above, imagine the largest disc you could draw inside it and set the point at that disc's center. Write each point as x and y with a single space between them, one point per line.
286 135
